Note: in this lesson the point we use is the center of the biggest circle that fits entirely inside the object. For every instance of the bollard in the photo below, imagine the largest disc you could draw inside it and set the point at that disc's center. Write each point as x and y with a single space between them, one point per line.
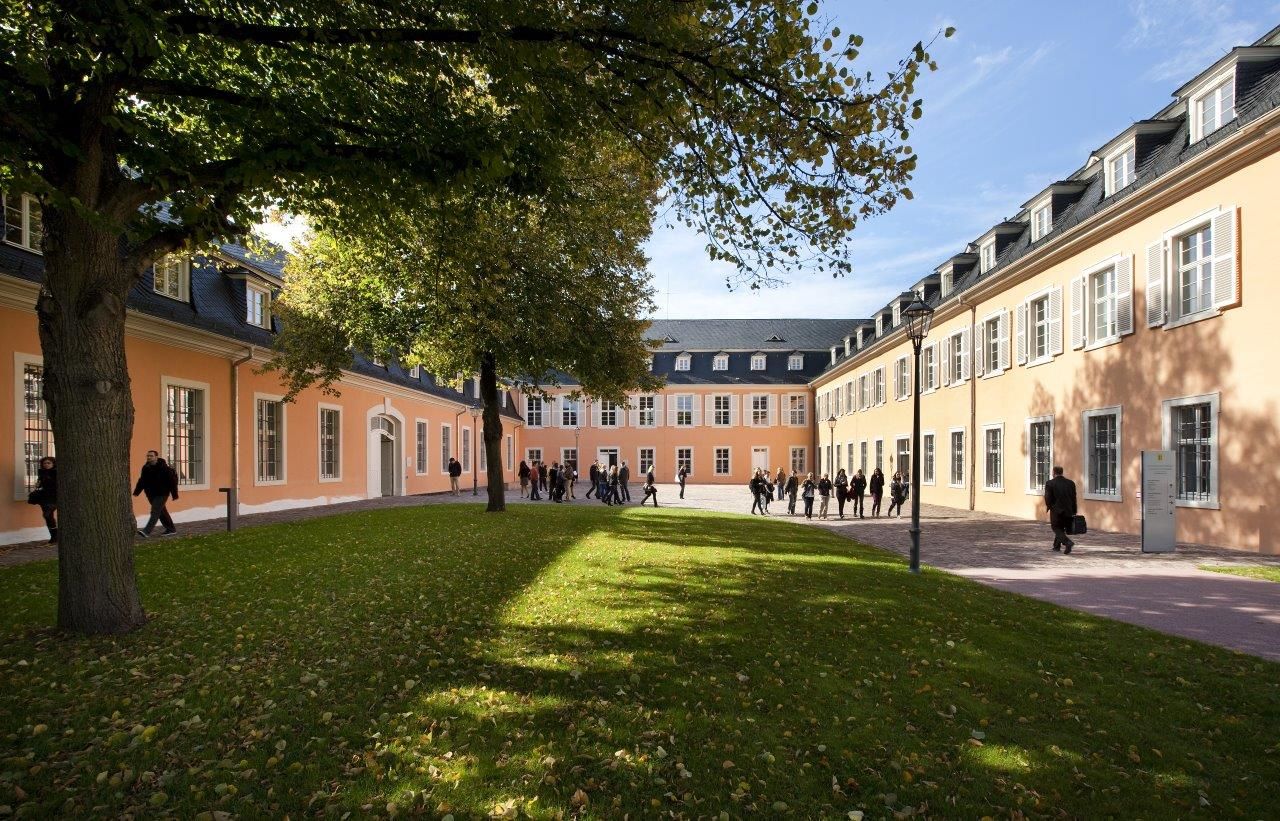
232 506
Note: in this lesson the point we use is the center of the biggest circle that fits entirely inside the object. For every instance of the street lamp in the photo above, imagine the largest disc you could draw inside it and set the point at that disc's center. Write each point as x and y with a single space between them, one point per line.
577 455
476 410
831 449
918 316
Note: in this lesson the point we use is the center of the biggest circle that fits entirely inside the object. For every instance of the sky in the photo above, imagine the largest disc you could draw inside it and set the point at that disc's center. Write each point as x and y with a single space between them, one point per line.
1023 92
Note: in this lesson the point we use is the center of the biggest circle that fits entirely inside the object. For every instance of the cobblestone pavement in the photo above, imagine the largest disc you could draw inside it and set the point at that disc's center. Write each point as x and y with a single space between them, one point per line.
1106 574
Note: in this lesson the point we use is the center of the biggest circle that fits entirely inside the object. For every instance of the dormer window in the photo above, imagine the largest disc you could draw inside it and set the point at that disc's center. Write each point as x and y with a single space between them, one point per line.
757 362
23 223
775 338
1041 221
920 293
1214 108
415 372
173 277
721 362
879 324
1121 170
987 255
897 314
257 306
795 362
650 364
945 283
682 362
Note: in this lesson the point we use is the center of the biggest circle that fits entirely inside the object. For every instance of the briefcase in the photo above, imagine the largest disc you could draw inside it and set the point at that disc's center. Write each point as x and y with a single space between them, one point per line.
1079 526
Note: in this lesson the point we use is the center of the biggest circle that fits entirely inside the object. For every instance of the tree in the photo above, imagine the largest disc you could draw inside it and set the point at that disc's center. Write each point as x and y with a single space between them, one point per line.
522 285
746 109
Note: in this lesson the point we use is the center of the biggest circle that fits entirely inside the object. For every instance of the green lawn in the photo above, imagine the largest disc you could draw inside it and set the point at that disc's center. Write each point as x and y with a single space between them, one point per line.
558 661
1266 572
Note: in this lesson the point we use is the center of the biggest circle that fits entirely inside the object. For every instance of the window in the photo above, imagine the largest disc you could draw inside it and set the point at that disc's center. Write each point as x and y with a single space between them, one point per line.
684 459
1102 454
184 416
945 282
929 368
682 362
650 364
722 461
420 447
797 410
987 256
569 458
416 373
848 397
993 457
926 458
23 223
991 338
903 458
270 440
1039 453
957 458
863 457
1121 170
1194 278
901 378
511 453
646 460
1102 304
569 411
720 410
37 432
836 406
1038 310
1191 432
257 308
1214 109
533 454
848 457
446 447
878 379
608 413
880 454
897 314
482 459
795 362
172 277
956 370
799 460
647 413
760 410
533 411
684 411
1041 221
864 391
758 362
466 450
720 363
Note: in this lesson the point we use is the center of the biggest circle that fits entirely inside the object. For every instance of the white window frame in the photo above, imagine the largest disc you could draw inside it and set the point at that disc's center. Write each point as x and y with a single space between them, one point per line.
987 255
803 410
416 373
1215 442
1127 156
754 410
928 458
640 464
1000 319
181 268
902 378
570 409
466 444
1032 488
683 362
715 460
929 369
951 456
956 364
511 452
676 464
249 291
652 410
205 456
421 444
986 484
1088 305
20 363
759 362
24 209
804 458
1173 281
681 397
1086 460
1041 211
446 435
720 362
795 362
716 410
258 481
879 454
612 407
529 458
528 411
1196 105
1166 277
879 385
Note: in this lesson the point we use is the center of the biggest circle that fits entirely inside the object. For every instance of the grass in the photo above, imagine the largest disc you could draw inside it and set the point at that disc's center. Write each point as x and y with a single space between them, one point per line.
1264 572
587 661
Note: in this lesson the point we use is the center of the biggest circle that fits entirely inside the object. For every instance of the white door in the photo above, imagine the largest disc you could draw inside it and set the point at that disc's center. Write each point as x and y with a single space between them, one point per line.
759 459
607 456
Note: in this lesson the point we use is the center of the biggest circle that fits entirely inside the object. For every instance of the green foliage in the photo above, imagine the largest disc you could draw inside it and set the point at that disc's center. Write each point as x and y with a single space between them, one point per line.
1269 573
600 661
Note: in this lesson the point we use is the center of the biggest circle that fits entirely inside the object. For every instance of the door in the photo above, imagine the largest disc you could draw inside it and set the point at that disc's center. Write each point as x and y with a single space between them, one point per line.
388 467
607 456
760 459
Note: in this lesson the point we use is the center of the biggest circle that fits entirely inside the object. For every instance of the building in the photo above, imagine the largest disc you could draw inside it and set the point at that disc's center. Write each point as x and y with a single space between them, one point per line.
1123 308
197 332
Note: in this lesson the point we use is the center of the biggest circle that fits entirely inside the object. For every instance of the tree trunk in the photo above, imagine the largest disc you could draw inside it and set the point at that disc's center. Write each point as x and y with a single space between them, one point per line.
81 311
492 433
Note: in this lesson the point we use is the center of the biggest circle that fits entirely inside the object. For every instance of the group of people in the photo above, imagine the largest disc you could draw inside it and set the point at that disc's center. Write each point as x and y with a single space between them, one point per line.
158 480
845 488
610 484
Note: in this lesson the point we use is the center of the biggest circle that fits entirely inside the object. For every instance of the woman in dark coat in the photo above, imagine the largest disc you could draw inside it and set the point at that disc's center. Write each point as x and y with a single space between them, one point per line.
857 488
524 478
897 494
842 490
877 490
47 488
808 491
793 487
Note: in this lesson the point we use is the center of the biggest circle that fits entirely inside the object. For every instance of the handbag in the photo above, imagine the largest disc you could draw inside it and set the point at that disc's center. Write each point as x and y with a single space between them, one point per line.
35 497
1079 526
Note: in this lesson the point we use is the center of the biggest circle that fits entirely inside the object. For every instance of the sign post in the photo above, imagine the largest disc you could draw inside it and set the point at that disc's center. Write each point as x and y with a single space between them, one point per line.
1159 528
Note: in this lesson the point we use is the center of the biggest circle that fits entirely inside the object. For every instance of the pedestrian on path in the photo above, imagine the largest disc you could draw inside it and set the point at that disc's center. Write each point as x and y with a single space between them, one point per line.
897 495
758 487
46 495
842 490
824 492
534 470
594 475
1060 499
159 482
857 490
877 491
624 476
681 476
455 471
650 489
807 493
779 482
793 487
571 476
524 478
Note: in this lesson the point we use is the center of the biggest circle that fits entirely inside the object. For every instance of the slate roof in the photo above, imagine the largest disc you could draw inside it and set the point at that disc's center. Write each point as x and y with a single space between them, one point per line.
715 335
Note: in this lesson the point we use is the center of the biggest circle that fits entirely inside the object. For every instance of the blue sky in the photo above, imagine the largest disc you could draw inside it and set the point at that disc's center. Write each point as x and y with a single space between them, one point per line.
1024 91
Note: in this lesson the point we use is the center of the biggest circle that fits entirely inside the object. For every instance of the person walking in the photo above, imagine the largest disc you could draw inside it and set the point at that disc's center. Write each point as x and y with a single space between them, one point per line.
159 482
594 475
624 476
681 476
1060 500
857 489
544 478
523 473
793 487
824 492
571 474
455 471
45 494
876 486
897 495
534 470
779 483
842 491
613 491
757 486
650 488
553 482
807 493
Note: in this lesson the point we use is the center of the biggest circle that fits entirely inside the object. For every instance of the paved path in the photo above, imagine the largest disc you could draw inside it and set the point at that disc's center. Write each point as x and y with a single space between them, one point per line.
1107 574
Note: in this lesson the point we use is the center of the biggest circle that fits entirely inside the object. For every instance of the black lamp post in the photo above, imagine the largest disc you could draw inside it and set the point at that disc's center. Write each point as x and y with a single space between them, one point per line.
831 448
577 454
476 410
918 316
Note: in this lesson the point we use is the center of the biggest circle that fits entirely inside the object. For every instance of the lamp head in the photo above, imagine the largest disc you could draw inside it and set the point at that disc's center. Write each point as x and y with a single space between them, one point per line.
918 317
831 422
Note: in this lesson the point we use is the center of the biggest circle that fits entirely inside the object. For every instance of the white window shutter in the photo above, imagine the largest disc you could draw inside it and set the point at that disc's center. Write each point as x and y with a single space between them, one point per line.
1124 295
1077 313
907 381
771 403
1004 340
1155 284
621 416
551 406
697 412
633 413
671 410
657 410
595 414
946 361
709 409
733 409
966 354
980 361
1020 340
1055 320
1226 274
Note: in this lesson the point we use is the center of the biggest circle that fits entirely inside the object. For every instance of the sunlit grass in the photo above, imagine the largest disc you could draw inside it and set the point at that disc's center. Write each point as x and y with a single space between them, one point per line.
586 661
1265 572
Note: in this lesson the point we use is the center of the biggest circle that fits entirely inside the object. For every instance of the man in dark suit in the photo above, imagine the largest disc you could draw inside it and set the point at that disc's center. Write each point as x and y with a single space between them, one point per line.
1060 499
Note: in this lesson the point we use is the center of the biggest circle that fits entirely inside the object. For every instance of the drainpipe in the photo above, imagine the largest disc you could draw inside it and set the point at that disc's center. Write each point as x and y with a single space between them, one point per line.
233 492
973 403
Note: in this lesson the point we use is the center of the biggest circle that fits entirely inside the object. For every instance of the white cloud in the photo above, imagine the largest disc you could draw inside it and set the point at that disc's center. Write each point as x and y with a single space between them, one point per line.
1189 34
